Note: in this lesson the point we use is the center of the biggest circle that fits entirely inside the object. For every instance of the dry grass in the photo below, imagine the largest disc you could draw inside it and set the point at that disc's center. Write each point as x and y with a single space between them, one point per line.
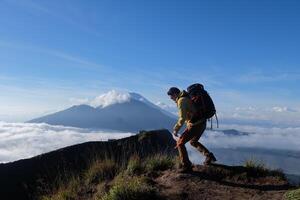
259 169
101 170
131 188
67 192
292 195
124 183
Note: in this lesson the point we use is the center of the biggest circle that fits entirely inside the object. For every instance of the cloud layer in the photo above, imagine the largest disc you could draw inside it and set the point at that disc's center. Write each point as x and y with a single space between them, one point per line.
261 137
109 98
280 139
24 140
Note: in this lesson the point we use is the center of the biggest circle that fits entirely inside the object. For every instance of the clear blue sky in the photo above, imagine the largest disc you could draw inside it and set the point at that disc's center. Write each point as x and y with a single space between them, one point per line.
246 53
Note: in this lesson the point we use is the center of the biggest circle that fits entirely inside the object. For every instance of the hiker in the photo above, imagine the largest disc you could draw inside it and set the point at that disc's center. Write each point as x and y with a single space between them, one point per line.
195 126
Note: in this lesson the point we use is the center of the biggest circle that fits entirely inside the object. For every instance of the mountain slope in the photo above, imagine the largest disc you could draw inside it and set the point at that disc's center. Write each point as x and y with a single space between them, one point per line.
29 178
132 115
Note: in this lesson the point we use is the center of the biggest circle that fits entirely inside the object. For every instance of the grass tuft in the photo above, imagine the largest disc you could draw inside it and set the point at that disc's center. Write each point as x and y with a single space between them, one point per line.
68 192
101 170
292 195
259 169
135 166
131 188
159 163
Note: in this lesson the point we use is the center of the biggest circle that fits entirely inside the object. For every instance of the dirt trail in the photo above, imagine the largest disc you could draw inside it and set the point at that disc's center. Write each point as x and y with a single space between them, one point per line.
200 185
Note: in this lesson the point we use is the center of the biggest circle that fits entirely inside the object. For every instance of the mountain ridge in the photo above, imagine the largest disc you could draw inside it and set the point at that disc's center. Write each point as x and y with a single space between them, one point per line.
134 114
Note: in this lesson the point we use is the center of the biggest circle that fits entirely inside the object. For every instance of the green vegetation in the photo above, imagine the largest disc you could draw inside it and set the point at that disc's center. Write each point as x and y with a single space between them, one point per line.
106 180
254 164
143 135
101 170
258 169
66 192
98 172
131 188
135 166
159 163
151 164
292 195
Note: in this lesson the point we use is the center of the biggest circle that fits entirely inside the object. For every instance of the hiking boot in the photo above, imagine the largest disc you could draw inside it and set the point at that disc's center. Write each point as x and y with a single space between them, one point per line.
210 158
185 169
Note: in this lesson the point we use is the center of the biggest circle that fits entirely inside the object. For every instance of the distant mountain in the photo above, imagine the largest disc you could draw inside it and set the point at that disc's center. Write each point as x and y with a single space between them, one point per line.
133 115
233 132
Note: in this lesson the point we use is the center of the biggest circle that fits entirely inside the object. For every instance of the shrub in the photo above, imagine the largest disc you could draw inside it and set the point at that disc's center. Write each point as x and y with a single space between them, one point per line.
68 192
101 170
292 195
254 164
258 168
135 166
131 188
159 163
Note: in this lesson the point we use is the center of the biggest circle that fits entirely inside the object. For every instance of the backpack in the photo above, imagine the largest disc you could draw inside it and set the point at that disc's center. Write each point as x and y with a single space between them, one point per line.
204 105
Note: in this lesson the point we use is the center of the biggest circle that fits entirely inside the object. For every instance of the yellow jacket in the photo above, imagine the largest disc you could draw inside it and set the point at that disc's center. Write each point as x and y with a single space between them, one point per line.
185 111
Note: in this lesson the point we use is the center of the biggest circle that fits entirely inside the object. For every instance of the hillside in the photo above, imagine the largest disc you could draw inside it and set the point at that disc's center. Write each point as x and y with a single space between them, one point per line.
143 166
28 178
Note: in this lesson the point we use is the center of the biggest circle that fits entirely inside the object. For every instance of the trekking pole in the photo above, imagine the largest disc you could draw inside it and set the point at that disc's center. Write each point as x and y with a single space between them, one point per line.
217 120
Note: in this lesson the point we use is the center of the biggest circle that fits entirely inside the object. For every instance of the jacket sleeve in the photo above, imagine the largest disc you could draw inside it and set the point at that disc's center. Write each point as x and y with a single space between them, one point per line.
182 114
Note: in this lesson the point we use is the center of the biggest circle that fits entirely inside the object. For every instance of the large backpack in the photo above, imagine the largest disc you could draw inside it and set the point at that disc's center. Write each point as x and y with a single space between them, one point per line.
205 108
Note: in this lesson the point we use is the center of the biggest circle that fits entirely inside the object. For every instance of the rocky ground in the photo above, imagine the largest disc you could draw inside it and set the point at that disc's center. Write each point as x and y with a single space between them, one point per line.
220 182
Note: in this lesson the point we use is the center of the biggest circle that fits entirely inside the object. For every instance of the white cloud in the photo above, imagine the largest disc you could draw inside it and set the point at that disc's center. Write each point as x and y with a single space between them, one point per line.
24 140
279 109
259 137
262 137
172 108
250 108
273 115
283 109
259 76
111 97
78 101
165 106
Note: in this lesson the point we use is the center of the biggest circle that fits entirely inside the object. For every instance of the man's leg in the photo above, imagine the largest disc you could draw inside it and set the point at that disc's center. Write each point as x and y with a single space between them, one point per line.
198 131
184 158
200 147
183 155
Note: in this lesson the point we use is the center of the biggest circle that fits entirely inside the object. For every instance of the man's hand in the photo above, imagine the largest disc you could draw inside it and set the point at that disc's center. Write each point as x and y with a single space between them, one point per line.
175 133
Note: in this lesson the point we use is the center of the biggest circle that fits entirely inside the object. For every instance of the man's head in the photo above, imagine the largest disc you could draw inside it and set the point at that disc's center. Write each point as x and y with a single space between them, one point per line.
173 93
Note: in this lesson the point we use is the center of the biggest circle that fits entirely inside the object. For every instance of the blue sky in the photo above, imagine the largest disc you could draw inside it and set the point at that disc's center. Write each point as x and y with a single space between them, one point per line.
246 53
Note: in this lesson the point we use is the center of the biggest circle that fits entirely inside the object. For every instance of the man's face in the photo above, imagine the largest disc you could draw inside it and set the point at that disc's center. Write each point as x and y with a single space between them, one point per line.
173 97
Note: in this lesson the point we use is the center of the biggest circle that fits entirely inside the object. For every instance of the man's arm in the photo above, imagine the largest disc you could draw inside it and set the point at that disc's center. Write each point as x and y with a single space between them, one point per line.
182 113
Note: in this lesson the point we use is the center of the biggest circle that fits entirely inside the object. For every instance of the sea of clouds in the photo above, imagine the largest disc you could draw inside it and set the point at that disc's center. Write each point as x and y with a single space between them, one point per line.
24 140
258 136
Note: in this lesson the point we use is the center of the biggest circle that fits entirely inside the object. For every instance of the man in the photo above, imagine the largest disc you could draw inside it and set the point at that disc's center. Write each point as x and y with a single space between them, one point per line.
193 132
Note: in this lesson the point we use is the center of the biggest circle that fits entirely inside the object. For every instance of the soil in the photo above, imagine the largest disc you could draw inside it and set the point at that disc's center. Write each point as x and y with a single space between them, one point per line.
202 184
